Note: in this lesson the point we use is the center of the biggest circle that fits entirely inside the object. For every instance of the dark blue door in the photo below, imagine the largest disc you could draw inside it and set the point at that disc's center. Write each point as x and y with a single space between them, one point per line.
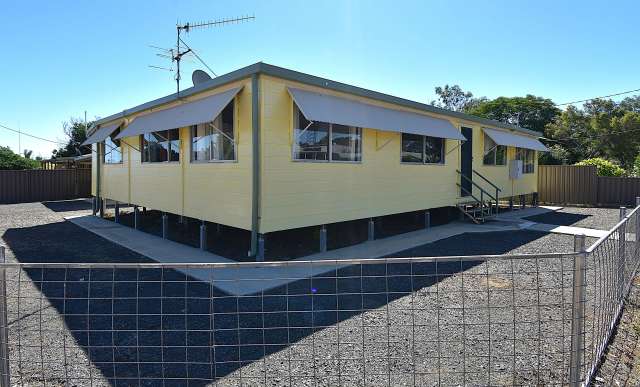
466 162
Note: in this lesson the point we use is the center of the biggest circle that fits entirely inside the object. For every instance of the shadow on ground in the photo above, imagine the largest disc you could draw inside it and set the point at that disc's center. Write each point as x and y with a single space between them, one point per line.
485 243
68 205
65 242
160 326
558 218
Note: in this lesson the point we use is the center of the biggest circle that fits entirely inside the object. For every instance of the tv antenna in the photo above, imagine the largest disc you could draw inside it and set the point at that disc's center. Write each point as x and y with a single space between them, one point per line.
177 54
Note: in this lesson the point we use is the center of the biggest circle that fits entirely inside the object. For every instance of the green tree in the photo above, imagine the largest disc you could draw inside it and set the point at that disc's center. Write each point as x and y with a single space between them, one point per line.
631 103
12 161
454 98
573 132
602 128
604 167
557 155
76 132
529 112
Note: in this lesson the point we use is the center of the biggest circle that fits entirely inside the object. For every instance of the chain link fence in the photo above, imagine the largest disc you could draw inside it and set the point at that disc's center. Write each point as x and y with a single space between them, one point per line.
542 319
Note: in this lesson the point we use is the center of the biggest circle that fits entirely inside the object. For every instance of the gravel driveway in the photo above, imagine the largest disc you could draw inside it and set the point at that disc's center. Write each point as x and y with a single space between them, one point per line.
395 324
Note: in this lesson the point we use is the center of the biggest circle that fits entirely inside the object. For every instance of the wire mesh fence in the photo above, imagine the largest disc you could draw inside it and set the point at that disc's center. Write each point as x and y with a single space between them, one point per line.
539 319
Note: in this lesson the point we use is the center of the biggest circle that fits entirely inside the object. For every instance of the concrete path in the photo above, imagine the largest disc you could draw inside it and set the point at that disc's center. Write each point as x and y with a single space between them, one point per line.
248 279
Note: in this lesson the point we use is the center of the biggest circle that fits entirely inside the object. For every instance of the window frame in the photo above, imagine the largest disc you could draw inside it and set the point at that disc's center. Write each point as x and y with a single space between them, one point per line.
294 142
167 161
235 140
118 147
495 153
443 152
525 153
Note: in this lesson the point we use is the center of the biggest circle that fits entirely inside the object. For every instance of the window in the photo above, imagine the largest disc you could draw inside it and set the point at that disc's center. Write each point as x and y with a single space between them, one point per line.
112 150
161 146
528 159
322 141
422 149
494 154
215 140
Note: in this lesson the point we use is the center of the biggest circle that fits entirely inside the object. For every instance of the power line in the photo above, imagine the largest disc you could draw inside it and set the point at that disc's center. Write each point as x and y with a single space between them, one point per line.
604 96
20 132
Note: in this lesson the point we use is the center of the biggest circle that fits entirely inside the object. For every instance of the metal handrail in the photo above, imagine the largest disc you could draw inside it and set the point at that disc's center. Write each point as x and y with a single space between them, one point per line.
487 180
471 194
475 185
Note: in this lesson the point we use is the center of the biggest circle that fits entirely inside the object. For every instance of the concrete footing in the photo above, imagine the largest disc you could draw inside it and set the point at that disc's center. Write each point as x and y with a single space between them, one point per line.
203 236
165 225
260 254
323 238
136 217
117 212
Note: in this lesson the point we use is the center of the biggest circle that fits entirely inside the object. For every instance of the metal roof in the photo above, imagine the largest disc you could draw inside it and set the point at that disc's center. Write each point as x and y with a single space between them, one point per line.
283 73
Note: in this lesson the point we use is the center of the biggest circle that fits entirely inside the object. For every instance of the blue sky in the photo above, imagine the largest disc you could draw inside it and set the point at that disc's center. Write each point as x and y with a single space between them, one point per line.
64 57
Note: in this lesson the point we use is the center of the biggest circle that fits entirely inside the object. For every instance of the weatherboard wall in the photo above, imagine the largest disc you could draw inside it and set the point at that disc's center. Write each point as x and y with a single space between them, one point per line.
218 192
305 193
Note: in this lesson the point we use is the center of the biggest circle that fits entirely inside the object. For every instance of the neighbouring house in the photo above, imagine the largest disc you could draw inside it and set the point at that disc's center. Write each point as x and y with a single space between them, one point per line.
266 149
67 162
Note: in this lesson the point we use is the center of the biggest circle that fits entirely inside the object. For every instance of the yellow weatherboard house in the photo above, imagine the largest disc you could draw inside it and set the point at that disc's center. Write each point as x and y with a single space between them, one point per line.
265 149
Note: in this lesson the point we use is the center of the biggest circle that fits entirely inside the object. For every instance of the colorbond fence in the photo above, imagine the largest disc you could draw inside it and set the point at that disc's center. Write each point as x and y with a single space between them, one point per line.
570 184
38 185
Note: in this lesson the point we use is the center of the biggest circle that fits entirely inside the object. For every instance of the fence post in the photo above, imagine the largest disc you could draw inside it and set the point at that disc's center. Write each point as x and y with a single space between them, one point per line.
4 328
577 312
622 253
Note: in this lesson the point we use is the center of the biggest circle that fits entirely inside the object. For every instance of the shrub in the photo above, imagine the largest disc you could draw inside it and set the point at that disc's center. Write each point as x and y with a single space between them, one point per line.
604 167
10 160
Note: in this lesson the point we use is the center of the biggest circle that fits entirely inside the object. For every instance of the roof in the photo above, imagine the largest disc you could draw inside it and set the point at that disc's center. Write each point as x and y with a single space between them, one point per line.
281 72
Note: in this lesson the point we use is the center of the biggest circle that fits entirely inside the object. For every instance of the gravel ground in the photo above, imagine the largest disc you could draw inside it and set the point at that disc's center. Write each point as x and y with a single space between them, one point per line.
597 218
37 232
361 325
621 365
490 243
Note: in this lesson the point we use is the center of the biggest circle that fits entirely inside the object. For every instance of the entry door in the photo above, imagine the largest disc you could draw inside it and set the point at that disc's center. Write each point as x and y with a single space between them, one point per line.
466 162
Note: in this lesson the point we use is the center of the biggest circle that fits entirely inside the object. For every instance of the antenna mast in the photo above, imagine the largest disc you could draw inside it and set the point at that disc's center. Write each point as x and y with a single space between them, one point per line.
188 27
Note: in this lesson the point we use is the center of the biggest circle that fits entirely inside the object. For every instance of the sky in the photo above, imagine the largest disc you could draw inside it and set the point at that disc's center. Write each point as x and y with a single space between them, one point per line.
62 58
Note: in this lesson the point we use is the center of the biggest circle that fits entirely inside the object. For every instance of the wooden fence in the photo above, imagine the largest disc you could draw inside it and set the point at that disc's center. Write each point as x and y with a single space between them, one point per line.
38 185
570 184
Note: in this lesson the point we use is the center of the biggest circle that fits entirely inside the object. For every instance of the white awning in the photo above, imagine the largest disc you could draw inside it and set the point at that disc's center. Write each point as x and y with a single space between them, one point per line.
189 113
101 133
501 137
327 108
